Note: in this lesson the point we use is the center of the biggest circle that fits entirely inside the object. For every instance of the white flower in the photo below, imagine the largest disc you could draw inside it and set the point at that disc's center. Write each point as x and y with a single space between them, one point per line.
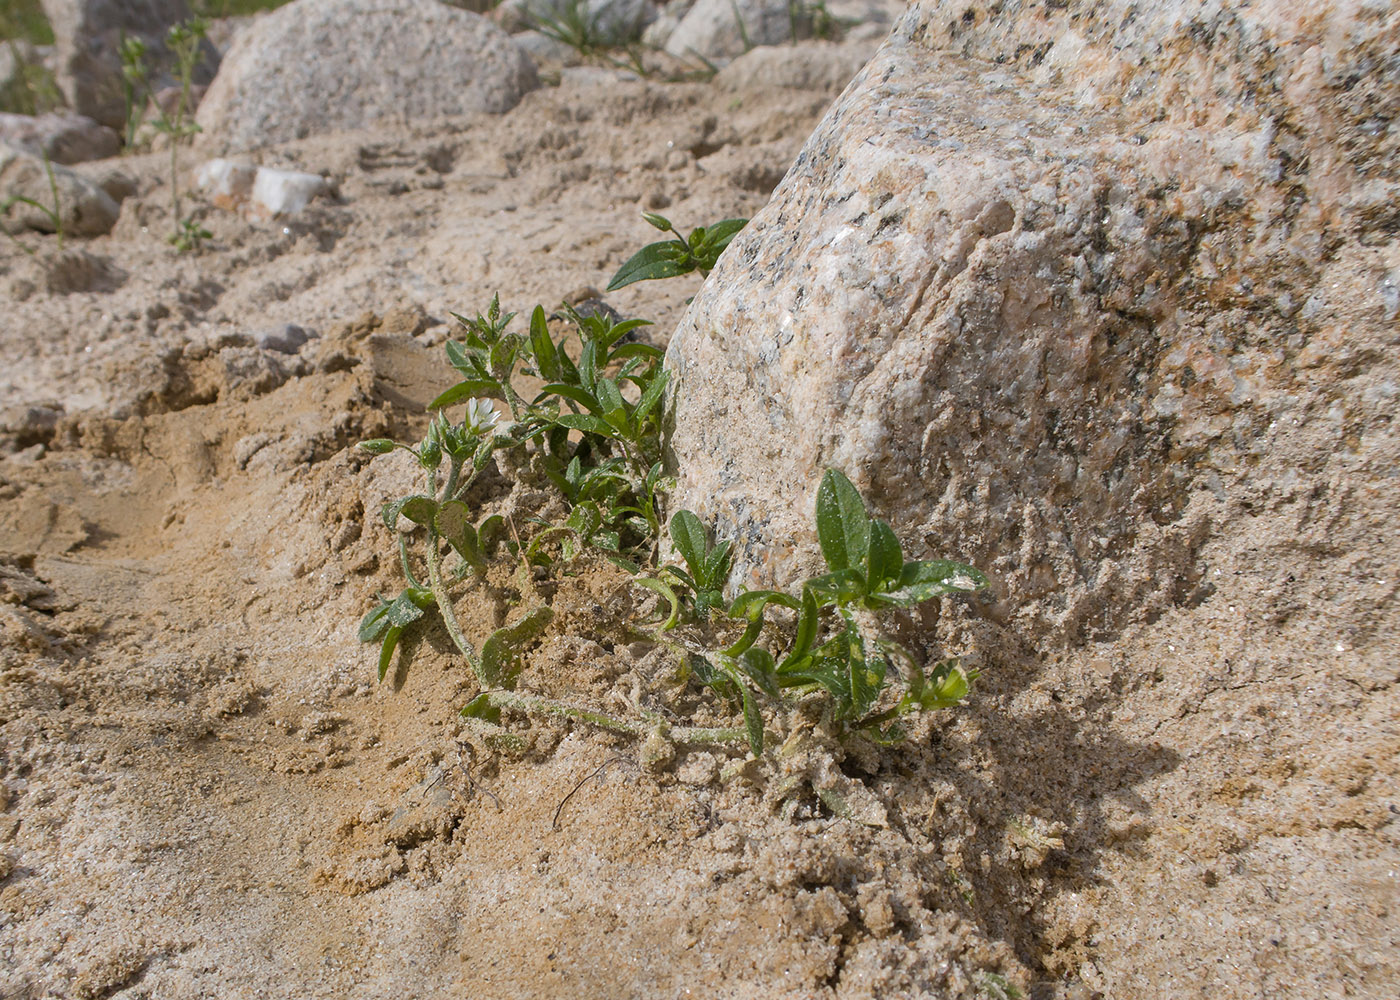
481 416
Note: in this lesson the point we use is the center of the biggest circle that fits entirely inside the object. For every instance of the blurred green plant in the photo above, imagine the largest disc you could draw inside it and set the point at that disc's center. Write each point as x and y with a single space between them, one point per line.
53 211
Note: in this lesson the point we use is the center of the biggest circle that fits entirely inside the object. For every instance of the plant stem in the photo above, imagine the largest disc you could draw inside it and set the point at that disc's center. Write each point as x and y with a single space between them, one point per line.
444 599
57 209
679 734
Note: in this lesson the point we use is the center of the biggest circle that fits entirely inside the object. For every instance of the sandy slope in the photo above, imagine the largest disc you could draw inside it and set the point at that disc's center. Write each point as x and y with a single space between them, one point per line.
204 793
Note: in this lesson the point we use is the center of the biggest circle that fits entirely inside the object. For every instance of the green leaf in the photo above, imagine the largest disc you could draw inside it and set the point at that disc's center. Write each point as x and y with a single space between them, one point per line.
922 580
453 522
886 557
757 664
651 396
587 422
664 589
867 674
490 533
655 260
374 624
423 506
717 565
585 519
578 394
658 221
481 708
500 655
948 686
751 604
386 650
690 540
546 354
467 390
403 611
378 446
646 352
753 721
616 331
419 509
614 407
588 365
841 587
807 621
843 527
717 237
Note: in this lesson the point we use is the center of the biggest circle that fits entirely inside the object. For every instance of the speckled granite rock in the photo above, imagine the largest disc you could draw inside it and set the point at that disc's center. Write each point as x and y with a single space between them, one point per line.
1045 281
62 136
719 30
86 209
819 66
87 37
322 65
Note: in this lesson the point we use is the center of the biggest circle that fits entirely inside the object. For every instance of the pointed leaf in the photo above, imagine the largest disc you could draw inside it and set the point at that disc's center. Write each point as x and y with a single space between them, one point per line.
843 527
886 557
579 395
587 422
717 565
655 260
717 237
690 540
645 352
386 649
467 390
614 407
807 621
651 395
374 624
753 722
757 664
546 354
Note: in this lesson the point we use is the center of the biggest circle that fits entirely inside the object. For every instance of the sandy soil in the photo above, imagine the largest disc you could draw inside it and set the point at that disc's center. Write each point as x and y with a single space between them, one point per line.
204 791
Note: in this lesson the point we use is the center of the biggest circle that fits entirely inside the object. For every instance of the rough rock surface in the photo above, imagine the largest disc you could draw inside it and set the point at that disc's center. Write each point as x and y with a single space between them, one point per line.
1040 284
84 207
61 136
87 36
322 65
719 30
821 67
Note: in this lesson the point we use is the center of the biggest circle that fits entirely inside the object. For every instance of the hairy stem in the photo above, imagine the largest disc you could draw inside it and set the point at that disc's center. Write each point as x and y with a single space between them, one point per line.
696 735
444 599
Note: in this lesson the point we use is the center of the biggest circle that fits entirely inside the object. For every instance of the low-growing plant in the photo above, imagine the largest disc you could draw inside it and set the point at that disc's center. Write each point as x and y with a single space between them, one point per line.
674 257
183 41
593 433
53 212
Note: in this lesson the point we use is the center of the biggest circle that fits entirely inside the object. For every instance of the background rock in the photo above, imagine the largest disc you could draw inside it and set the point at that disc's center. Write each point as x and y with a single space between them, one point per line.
87 36
84 207
719 30
1043 283
611 22
819 66
321 65
62 137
